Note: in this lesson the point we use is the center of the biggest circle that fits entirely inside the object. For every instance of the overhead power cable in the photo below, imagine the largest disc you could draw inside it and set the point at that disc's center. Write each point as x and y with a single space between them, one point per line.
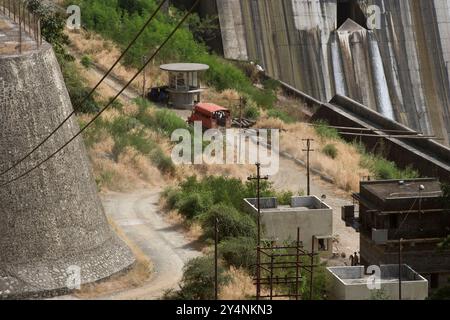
91 92
109 103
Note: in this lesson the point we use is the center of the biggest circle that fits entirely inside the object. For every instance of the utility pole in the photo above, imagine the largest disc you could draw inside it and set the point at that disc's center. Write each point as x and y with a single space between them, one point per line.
144 60
400 263
258 179
308 150
216 264
241 106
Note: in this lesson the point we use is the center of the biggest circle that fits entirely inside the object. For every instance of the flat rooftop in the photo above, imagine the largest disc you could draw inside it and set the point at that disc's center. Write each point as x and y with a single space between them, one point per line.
389 274
297 204
397 189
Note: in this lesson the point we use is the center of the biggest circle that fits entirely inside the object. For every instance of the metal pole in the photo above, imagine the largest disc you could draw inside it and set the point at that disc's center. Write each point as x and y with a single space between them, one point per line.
308 150
258 257
241 105
271 276
400 263
311 281
297 269
258 204
216 269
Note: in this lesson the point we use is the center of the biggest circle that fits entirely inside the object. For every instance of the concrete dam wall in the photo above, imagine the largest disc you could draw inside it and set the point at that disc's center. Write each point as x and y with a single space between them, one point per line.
323 47
52 223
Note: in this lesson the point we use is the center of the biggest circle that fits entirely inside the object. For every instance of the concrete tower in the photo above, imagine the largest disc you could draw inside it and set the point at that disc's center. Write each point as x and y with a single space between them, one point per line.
52 223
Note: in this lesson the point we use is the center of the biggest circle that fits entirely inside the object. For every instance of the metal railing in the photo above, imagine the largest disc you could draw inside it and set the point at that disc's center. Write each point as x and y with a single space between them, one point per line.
28 22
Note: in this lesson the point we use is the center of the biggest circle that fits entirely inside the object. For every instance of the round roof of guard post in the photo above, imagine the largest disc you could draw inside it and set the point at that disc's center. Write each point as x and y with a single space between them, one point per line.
184 67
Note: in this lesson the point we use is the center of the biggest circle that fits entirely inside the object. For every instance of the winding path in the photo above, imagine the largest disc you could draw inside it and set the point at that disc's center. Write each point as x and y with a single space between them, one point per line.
137 214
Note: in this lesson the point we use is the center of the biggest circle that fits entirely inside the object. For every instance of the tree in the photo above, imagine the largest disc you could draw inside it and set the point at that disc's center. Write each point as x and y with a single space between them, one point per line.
198 280
52 27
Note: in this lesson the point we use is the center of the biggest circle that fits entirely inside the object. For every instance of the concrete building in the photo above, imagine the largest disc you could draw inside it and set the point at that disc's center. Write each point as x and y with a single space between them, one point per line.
53 228
184 86
353 283
410 210
310 214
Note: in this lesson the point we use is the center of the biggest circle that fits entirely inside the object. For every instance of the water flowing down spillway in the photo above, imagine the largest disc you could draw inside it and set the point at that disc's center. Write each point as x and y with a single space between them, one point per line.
339 79
380 83
401 70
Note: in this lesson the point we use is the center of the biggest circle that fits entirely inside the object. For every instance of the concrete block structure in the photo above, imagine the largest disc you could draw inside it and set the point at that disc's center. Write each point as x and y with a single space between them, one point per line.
410 210
310 214
184 86
351 283
53 228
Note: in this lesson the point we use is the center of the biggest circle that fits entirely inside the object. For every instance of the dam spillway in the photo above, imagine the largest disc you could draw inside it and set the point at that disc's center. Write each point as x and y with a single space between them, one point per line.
400 69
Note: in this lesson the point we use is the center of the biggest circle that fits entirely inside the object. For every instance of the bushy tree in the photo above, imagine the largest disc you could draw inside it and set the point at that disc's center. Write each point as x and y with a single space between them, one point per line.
52 26
198 280
231 223
239 252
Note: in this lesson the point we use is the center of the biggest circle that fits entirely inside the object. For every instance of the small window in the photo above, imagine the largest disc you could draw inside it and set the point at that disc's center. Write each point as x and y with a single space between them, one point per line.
323 244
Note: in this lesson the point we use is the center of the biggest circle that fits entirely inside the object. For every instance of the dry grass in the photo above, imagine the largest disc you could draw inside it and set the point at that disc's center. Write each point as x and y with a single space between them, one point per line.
345 169
104 91
228 98
104 53
139 273
239 288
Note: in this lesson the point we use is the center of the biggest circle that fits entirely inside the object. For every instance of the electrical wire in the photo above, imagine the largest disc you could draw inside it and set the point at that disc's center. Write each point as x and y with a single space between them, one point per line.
109 103
75 109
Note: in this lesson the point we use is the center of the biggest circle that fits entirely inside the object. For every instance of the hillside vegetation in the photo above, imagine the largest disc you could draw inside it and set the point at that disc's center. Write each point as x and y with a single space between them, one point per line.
130 148
119 21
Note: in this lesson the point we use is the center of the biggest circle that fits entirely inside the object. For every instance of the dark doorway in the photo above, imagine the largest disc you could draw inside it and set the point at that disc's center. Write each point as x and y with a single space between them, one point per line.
350 9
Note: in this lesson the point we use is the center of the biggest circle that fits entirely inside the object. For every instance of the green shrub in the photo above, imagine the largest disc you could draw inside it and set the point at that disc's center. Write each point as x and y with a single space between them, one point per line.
116 104
77 90
285 198
86 61
278 114
198 280
324 131
231 223
168 121
321 282
194 204
163 162
239 252
330 150
251 112
386 170
441 294
263 98
172 196
271 84
105 179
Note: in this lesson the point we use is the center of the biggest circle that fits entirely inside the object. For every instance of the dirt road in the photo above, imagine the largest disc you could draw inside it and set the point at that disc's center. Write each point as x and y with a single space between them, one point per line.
137 214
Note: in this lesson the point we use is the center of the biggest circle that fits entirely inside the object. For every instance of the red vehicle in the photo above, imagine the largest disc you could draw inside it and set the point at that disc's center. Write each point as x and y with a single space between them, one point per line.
211 116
